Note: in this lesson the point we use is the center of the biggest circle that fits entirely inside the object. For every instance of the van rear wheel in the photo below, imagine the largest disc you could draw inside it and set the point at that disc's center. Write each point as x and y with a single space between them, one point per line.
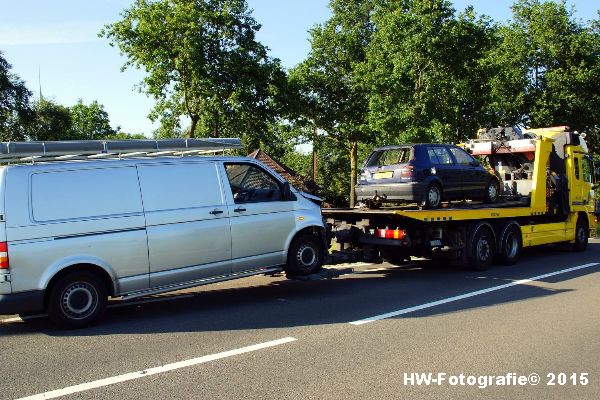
77 300
305 255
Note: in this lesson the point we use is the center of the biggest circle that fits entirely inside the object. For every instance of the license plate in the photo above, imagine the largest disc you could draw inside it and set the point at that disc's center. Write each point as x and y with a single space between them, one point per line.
383 175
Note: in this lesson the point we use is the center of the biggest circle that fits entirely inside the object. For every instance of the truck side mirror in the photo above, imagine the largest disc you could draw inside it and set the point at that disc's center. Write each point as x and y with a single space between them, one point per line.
597 174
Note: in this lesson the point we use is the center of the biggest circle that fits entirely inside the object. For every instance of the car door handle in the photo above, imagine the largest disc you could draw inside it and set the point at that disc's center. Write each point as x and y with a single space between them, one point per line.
239 209
216 211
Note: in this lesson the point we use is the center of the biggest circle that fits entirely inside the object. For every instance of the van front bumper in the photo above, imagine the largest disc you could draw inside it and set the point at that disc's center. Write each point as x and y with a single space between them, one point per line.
22 302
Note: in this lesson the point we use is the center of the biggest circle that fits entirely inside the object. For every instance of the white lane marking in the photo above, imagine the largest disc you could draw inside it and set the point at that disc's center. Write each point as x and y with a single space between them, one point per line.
116 305
156 370
467 295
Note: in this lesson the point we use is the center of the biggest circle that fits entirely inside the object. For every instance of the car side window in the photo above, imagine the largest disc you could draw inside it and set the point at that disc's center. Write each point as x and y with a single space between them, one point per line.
439 156
461 156
250 184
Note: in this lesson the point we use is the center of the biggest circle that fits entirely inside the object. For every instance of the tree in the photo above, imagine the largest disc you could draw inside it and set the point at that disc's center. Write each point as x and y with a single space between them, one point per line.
424 71
329 82
15 112
90 121
553 73
52 122
202 60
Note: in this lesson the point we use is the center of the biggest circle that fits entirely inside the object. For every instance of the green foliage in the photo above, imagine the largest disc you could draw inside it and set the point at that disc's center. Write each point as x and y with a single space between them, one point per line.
15 111
52 122
202 60
331 95
424 70
90 122
548 68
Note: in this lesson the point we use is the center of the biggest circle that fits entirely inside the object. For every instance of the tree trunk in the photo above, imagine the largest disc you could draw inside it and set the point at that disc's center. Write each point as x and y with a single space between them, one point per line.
193 126
314 155
353 171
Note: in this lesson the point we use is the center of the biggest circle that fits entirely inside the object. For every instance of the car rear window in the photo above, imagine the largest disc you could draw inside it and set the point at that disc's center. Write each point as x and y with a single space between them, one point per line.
390 157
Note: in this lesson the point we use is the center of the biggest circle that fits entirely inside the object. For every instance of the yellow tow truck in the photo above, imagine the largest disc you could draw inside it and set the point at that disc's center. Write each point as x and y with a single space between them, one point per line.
547 182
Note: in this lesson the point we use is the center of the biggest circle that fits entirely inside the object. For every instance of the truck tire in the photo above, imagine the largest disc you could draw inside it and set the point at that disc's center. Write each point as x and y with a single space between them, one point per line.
305 255
481 248
582 234
510 243
432 197
77 300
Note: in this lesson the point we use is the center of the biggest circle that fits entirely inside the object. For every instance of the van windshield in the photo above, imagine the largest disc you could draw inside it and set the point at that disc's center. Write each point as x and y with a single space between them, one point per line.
390 157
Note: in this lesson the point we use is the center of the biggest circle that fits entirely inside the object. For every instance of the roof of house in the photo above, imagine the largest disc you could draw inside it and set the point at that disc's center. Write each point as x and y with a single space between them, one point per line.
298 181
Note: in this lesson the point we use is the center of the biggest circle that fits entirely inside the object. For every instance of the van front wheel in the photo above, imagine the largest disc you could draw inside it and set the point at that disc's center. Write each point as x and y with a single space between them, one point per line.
76 300
305 256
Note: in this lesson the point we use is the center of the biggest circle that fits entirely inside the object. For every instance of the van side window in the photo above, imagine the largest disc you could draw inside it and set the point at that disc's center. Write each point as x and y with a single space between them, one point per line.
85 193
251 184
180 186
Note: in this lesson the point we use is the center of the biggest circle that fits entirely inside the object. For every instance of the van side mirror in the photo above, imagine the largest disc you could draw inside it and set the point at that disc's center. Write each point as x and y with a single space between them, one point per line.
286 192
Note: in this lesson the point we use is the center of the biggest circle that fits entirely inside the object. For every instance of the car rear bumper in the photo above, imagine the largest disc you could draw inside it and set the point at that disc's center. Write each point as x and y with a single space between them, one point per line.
409 191
22 302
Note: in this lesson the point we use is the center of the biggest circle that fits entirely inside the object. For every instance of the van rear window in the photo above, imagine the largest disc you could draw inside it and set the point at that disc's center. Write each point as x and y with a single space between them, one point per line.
86 193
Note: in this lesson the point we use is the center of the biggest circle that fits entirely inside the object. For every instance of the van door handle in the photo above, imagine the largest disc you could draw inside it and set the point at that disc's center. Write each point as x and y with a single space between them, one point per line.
216 211
239 209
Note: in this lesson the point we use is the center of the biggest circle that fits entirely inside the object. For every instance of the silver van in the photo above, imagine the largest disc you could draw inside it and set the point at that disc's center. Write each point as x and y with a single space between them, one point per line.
73 233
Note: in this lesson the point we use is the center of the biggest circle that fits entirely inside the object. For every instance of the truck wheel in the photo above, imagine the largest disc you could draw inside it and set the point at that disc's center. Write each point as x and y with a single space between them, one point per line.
582 234
482 249
510 244
305 255
492 191
76 300
433 196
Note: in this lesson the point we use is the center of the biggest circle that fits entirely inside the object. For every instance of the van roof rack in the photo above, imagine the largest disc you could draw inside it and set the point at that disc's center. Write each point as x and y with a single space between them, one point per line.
21 152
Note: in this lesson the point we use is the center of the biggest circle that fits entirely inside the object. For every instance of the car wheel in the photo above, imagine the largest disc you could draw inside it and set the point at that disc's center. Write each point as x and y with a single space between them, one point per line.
77 300
433 196
582 234
492 191
305 255
510 244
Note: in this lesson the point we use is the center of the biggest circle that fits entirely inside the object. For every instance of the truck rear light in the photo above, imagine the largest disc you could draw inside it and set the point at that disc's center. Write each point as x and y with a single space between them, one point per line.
4 255
391 234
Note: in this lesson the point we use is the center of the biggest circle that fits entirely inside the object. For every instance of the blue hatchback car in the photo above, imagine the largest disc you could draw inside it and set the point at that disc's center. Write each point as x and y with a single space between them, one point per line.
426 174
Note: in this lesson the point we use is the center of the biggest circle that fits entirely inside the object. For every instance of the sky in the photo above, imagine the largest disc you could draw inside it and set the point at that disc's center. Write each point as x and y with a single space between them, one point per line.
55 45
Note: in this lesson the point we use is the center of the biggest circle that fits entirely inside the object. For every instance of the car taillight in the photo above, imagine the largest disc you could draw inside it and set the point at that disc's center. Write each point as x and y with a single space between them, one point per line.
4 255
407 172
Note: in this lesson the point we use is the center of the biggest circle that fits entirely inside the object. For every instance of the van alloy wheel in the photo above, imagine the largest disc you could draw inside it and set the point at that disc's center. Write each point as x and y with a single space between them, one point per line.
79 300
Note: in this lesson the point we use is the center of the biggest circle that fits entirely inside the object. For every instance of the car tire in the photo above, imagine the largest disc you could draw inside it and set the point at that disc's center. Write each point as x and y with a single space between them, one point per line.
432 197
510 244
77 300
305 255
481 249
492 191
582 234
